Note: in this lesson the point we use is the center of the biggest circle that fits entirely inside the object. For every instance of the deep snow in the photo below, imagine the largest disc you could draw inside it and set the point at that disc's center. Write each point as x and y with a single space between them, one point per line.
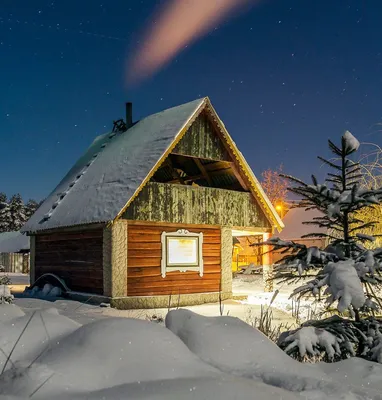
195 357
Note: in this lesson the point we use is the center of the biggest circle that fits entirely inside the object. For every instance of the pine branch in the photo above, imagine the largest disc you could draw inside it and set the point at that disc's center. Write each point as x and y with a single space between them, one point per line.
293 179
335 149
329 163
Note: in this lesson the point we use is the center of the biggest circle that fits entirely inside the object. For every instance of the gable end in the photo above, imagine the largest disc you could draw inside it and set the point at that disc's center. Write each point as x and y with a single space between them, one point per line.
201 141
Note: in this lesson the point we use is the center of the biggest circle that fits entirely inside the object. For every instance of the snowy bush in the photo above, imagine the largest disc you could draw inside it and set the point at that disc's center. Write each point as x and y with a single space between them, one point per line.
346 274
335 338
5 293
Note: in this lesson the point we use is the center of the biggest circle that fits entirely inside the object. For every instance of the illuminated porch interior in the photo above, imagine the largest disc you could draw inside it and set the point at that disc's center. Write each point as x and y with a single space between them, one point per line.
243 253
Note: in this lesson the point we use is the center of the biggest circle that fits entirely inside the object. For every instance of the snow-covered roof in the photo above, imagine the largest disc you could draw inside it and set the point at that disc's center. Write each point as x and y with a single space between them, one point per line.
114 169
294 227
13 242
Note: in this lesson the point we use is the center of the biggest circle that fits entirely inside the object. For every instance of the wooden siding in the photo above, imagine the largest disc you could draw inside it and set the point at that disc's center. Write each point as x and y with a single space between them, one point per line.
76 257
201 141
196 205
144 263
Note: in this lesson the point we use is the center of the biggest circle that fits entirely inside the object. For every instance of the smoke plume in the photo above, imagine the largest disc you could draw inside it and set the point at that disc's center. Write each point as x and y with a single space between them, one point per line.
179 23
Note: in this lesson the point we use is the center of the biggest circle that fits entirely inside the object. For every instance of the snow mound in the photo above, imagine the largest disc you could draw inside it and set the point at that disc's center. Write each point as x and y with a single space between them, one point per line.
232 346
107 353
224 387
34 332
355 371
9 312
47 291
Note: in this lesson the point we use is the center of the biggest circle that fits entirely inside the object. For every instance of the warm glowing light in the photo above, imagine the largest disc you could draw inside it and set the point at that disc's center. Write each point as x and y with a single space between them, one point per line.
179 23
279 207
182 251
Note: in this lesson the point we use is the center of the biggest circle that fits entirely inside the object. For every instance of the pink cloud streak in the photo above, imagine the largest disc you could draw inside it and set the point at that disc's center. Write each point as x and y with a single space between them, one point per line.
180 23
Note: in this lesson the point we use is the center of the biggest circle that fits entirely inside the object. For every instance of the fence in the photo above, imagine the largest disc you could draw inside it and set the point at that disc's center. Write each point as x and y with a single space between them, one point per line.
15 262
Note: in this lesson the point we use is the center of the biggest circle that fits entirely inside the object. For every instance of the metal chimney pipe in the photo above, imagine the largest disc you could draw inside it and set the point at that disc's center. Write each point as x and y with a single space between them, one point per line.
129 115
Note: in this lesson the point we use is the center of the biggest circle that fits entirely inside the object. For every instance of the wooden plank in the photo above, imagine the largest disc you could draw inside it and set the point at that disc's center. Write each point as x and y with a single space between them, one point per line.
172 284
144 253
203 171
156 261
213 277
142 246
155 271
152 224
173 291
157 230
69 236
76 257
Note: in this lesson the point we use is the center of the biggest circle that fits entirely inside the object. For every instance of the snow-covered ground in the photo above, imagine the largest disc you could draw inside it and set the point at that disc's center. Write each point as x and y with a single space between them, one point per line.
193 357
251 286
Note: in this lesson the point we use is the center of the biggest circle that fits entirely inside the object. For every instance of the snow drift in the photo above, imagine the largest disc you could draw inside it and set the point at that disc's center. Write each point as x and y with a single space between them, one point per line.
127 358
196 358
232 346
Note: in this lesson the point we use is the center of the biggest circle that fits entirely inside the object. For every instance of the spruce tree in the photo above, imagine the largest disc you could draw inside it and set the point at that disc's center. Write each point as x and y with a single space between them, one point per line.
5 215
17 212
30 208
345 273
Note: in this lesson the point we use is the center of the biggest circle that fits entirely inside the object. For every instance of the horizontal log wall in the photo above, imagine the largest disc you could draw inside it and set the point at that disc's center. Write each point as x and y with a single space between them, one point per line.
196 205
144 263
75 257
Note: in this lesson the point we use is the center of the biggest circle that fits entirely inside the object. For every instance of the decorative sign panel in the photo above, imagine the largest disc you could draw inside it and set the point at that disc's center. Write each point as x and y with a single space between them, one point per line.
182 251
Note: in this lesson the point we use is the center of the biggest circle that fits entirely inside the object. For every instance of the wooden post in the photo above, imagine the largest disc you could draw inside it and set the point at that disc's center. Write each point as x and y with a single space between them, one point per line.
226 260
115 259
26 263
267 266
32 259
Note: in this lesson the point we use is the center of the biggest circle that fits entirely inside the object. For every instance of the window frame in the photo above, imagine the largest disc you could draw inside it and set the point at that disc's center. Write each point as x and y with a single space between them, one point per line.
181 233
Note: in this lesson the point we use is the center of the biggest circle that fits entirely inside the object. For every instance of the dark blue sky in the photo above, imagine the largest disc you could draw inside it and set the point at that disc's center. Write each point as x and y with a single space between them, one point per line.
284 77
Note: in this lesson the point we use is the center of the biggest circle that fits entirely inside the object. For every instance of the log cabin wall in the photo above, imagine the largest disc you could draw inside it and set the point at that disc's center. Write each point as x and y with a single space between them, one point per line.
144 262
75 257
196 205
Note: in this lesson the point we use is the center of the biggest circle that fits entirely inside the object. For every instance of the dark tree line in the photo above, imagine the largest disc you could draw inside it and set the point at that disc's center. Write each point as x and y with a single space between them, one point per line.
14 212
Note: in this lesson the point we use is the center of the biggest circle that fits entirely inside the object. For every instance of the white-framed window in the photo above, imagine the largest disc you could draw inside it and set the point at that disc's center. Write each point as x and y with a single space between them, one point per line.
182 251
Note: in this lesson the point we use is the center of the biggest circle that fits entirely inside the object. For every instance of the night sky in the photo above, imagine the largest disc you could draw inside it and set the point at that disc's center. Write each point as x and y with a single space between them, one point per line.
284 76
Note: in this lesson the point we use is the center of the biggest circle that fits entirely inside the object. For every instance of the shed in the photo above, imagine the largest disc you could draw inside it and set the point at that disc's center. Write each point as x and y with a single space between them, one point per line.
14 242
14 252
146 216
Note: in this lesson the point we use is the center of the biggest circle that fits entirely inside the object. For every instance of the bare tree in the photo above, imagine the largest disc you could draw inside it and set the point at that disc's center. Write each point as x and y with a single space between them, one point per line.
276 188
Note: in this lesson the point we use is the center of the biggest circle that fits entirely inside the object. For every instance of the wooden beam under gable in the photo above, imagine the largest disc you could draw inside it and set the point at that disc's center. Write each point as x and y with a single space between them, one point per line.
201 176
174 172
203 171
239 177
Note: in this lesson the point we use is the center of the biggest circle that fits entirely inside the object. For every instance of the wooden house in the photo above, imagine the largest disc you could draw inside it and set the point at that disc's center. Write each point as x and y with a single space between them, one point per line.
146 215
